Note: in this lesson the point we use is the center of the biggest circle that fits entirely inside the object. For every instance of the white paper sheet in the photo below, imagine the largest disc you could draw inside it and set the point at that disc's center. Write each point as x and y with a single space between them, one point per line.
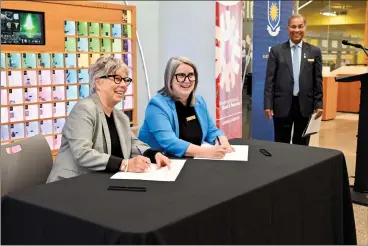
240 153
313 126
154 174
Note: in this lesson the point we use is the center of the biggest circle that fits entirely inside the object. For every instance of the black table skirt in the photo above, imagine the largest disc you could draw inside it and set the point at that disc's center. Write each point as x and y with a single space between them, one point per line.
300 195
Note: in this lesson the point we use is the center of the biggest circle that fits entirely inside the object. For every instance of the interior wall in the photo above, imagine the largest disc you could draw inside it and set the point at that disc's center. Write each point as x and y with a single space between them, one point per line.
147 26
192 36
163 34
148 31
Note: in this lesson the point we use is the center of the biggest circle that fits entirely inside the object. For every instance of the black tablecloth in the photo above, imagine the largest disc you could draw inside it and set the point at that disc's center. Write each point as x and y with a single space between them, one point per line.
300 195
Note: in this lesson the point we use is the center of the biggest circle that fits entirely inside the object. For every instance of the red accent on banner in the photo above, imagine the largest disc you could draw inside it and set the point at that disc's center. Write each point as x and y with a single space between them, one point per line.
229 69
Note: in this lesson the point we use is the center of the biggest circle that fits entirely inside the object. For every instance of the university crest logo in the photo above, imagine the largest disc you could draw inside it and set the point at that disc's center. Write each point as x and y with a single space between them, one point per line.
274 17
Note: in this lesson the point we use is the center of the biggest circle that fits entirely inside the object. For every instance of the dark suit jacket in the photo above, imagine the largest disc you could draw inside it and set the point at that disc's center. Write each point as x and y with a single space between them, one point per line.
278 92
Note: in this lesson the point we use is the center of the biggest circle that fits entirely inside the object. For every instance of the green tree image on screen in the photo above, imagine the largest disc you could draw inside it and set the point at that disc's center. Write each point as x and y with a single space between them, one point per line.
30 25
22 27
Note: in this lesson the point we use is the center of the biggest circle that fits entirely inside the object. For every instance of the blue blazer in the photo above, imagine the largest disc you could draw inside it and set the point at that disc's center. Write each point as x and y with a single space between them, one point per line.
160 129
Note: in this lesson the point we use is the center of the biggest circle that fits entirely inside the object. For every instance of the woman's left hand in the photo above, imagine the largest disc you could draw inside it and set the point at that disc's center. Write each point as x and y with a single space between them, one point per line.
225 143
229 148
162 161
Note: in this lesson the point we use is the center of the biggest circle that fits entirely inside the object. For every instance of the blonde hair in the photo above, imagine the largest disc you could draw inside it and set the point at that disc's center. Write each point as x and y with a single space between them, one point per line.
171 66
105 65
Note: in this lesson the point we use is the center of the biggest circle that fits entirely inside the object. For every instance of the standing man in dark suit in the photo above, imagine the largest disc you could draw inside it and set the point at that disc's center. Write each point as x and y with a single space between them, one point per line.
293 87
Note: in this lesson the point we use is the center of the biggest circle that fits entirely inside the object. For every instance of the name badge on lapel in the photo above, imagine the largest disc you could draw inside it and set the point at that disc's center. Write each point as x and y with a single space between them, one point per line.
191 118
311 60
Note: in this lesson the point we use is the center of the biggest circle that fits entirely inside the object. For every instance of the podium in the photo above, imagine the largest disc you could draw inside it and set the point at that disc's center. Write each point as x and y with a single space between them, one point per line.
359 192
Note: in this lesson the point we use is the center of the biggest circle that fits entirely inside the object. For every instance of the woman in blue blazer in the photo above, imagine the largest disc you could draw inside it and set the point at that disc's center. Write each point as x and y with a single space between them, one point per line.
177 121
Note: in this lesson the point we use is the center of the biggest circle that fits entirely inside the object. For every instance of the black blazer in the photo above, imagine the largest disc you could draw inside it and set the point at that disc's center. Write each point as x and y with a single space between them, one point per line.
278 92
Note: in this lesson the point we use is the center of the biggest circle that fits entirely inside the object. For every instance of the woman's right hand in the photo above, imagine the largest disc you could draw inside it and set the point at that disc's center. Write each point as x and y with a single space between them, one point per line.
216 151
139 164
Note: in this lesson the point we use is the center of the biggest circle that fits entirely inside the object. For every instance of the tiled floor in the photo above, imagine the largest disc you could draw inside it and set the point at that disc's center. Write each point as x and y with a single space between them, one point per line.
340 134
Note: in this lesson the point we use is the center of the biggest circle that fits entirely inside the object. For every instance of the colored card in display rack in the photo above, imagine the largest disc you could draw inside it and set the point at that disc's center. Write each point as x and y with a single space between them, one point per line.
39 90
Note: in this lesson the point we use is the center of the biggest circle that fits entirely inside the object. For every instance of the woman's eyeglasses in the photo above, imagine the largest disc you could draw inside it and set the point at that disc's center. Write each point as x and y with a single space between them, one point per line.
181 77
118 79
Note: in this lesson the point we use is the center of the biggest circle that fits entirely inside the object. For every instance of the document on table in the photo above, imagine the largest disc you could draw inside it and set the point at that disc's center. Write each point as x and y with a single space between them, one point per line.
154 174
240 153
313 126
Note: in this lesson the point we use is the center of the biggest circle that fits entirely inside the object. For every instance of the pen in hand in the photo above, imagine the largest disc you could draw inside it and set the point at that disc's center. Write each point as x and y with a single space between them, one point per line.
139 151
226 146
218 140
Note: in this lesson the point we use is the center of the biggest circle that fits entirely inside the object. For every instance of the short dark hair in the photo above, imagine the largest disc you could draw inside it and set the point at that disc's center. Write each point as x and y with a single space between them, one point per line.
295 16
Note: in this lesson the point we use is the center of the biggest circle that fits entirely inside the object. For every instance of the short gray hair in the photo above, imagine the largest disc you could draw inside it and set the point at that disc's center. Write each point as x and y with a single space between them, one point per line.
105 65
297 16
171 67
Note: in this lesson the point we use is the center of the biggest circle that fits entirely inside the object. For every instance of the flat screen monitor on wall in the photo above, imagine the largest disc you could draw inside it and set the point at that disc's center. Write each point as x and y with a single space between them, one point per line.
22 27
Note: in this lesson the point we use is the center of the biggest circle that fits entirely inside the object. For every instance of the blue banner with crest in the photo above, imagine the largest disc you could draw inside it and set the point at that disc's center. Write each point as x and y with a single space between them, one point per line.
270 29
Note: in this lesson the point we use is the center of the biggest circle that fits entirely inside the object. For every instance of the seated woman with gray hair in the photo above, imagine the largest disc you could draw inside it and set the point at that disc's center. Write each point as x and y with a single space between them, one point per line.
177 121
96 136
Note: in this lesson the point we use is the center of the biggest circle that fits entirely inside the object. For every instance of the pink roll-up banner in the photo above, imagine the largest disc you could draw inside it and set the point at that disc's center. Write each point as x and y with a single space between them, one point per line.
228 68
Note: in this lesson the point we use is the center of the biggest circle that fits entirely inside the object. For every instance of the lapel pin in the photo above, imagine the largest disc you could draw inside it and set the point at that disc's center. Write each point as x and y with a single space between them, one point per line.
305 56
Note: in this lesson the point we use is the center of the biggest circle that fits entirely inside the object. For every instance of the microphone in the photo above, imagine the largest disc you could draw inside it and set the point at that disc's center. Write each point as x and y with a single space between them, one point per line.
359 46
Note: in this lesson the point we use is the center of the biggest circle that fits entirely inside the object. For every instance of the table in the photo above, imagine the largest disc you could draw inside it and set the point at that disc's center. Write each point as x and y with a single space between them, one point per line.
300 195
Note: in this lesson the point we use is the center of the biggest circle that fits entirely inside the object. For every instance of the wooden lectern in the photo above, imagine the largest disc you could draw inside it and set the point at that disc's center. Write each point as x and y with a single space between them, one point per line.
359 192
341 97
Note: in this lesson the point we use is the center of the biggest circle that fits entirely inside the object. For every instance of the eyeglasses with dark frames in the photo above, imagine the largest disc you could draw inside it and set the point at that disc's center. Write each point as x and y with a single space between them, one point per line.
181 77
118 79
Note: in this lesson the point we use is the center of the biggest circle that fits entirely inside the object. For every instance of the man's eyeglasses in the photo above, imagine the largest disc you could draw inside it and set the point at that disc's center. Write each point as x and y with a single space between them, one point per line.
118 79
181 77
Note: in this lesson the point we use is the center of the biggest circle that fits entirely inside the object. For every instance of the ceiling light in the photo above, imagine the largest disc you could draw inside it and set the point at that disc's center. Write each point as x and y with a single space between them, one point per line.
328 13
333 11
